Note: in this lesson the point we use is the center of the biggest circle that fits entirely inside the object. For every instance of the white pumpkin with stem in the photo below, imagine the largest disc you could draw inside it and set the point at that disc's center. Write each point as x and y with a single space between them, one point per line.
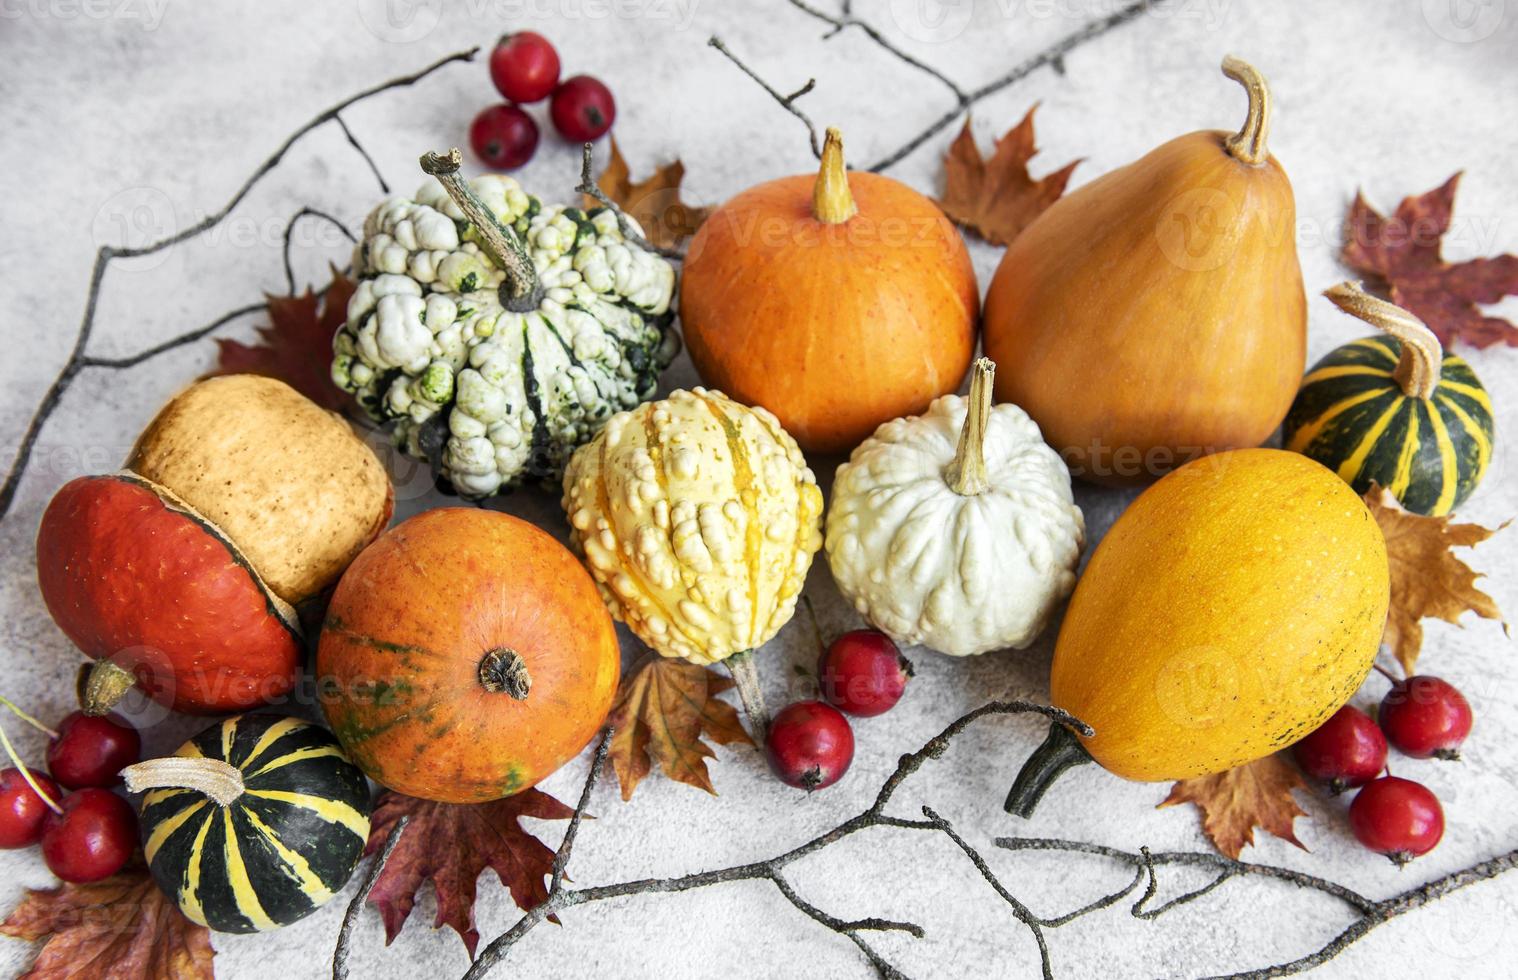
956 529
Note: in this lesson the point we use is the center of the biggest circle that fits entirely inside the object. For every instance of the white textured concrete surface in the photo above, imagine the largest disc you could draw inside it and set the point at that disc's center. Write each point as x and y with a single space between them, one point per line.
131 118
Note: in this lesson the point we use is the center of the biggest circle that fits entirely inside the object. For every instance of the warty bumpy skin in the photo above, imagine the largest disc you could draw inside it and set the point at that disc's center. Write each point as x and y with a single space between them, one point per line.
490 396
698 519
959 574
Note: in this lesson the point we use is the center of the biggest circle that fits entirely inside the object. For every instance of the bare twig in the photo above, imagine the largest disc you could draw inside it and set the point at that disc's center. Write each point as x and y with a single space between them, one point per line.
589 186
356 907
787 102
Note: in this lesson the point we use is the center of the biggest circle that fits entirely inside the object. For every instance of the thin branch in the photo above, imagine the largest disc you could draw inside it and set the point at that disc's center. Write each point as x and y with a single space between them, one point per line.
561 856
847 20
787 102
307 212
353 141
589 186
355 907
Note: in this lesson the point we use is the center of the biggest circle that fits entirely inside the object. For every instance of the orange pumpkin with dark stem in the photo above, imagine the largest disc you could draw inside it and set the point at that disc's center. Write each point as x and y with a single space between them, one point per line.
465 656
837 301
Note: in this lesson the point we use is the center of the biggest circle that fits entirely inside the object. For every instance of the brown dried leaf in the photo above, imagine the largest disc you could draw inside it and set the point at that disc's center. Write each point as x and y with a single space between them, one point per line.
452 844
997 198
296 346
653 202
1404 252
122 928
1234 802
663 708
1426 579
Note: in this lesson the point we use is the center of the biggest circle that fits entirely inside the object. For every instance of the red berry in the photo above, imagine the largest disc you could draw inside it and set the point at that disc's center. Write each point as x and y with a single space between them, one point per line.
1424 716
524 66
92 751
810 745
582 109
93 837
1346 750
21 809
1397 817
504 137
863 673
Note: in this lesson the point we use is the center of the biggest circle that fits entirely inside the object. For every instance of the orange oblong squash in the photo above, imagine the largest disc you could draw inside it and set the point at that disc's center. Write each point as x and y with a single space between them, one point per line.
466 655
837 301
1157 314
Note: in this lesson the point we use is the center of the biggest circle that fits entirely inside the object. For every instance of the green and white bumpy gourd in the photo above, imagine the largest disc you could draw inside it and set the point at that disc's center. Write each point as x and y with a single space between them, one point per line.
428 345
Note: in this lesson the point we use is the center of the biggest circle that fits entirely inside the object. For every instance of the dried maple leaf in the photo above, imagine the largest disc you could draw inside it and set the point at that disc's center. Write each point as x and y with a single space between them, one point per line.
997 198
1426 579
653 202
296 346
451 844
1404 252
1234 802
122 928
663 708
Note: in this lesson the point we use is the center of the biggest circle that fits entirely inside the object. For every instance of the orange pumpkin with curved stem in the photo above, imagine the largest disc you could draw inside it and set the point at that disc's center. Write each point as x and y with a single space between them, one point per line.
787 283
466 655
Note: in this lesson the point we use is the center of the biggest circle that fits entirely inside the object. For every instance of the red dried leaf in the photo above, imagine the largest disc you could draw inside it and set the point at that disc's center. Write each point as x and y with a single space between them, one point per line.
1404 252
997 198
122 928
663 709
451 844
296 346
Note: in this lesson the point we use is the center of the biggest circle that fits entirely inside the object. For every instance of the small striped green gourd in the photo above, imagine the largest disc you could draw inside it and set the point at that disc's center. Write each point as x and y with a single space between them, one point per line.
1395 410
254 823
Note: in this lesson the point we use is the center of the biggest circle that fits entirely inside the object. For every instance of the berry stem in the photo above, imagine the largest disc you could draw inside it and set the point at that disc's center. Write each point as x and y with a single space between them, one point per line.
8 703
811 613
26 773
1387 674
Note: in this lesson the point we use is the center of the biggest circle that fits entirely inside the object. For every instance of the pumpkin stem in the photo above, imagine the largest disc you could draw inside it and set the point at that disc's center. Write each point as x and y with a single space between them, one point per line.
746 677
521 292
218 780
967 471
1422 356
1248 144
832 202
504 671
104 687
1061 750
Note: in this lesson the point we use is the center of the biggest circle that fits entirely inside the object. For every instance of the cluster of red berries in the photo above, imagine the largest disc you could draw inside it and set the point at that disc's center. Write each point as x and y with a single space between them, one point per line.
810 743
90 832
1422 717
525 68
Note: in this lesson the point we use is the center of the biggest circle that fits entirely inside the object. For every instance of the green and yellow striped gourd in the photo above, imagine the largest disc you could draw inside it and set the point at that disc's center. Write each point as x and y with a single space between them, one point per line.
1394 410
254 823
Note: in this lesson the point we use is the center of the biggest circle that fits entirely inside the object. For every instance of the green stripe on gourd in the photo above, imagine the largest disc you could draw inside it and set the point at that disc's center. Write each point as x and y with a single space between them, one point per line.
1394 410
254 823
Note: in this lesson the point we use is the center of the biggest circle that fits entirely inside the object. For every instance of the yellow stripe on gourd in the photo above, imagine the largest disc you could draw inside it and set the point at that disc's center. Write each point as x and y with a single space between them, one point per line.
242 886
1307 433
189 891
753 541
1345 371
331 811
1351 466
167 828
275 732
228 733
1451 484
310 883
157 796
1404 472
1376 346
1477 395
299 755
1473 428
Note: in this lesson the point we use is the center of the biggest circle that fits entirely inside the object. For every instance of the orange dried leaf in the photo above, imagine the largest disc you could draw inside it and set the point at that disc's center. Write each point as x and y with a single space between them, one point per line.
1404 252
451 844
997 198
663 709
1234 802
122 928
1426 579
296 346
653 202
